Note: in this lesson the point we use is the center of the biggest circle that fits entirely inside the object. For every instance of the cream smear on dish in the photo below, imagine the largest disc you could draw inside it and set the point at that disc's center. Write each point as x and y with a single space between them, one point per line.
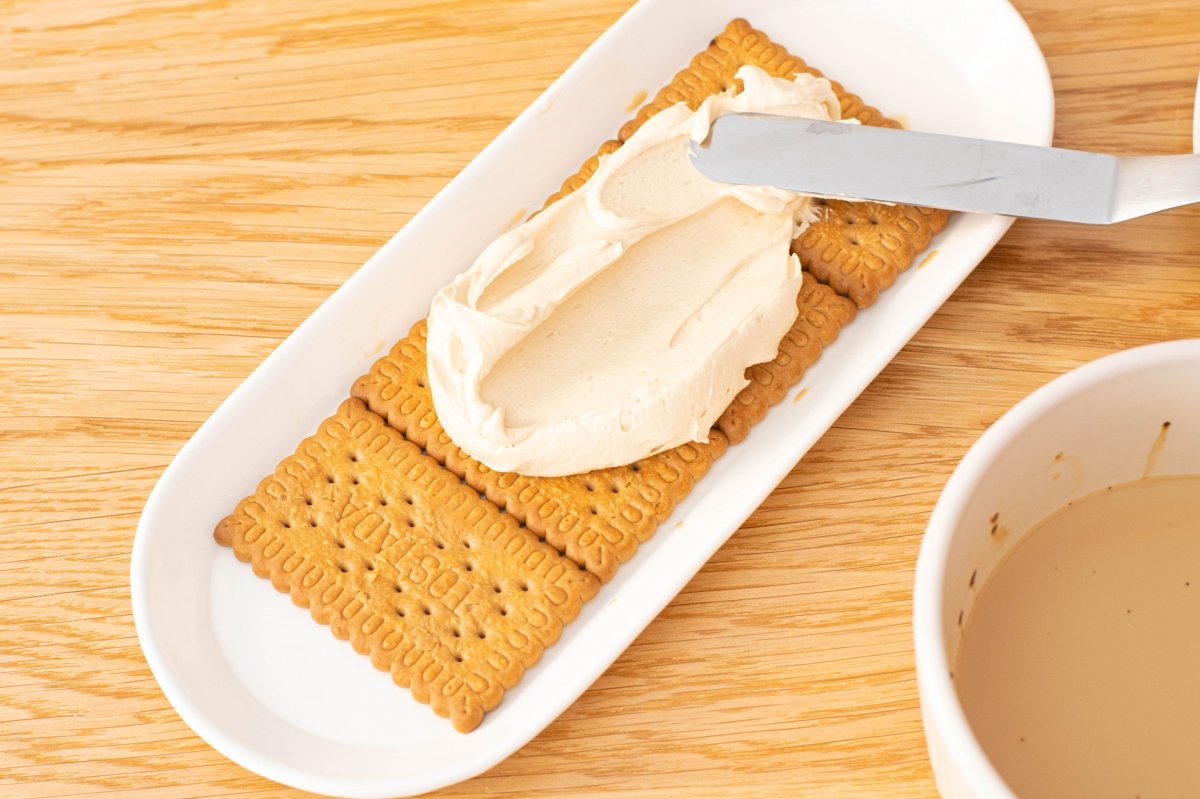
619 321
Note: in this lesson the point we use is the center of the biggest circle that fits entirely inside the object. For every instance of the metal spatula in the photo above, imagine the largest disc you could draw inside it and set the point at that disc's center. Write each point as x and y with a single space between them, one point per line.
833 159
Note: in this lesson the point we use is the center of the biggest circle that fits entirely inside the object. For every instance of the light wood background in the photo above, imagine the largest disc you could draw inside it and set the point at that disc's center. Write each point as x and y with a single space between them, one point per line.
183 181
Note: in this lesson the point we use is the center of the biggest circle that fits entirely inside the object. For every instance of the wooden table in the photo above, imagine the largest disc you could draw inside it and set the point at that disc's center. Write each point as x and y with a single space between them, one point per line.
181 183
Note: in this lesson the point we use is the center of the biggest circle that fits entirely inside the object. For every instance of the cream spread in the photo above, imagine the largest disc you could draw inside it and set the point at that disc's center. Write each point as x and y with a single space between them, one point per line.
620 321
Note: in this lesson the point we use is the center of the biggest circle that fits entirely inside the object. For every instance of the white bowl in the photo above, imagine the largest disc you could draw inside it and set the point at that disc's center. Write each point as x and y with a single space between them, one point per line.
1099 425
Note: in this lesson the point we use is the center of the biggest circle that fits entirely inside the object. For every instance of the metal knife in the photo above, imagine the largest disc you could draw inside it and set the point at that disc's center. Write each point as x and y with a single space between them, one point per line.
835 159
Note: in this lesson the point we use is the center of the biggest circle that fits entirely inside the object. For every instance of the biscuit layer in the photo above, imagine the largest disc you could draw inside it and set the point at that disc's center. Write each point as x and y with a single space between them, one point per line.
451 596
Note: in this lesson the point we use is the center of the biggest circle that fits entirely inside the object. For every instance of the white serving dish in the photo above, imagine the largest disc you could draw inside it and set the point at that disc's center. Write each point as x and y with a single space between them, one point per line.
1097 426
237 659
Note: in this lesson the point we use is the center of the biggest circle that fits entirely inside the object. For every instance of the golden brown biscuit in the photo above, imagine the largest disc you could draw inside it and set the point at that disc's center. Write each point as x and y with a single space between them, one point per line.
861 248
440 588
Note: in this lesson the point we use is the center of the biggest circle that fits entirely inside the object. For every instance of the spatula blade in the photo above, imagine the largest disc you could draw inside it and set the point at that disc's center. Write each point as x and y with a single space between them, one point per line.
834 159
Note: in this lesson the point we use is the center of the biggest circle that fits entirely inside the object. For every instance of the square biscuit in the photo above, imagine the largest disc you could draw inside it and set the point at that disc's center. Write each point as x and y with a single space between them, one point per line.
451 596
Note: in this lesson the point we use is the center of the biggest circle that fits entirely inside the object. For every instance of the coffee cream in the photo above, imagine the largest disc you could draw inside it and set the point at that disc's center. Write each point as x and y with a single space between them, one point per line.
619 321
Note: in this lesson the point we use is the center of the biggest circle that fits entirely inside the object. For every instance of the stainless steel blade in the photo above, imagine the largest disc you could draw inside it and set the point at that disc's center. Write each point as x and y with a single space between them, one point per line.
854 161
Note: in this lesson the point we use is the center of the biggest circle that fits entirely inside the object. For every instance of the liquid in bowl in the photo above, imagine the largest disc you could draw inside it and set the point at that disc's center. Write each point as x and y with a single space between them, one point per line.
1078 666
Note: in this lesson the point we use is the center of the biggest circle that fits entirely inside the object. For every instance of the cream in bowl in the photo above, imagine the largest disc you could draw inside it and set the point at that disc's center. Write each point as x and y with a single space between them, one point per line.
1057 599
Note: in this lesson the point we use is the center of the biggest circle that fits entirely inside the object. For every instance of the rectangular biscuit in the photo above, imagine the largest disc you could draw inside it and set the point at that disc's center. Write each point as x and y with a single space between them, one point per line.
857 248
438 586
598 519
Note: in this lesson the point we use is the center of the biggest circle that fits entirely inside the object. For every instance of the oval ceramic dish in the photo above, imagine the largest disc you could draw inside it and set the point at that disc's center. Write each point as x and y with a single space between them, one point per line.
239 661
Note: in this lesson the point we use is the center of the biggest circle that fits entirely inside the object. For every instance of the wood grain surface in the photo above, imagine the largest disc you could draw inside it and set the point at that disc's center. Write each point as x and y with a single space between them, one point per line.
183 181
